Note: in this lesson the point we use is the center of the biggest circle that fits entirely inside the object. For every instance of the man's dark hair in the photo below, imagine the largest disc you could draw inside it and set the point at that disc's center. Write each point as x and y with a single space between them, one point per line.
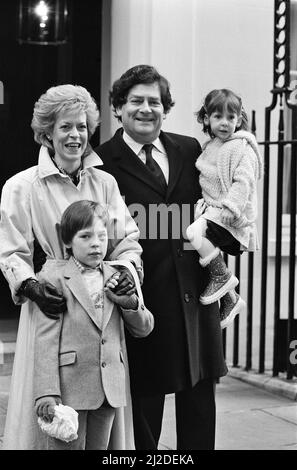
140 74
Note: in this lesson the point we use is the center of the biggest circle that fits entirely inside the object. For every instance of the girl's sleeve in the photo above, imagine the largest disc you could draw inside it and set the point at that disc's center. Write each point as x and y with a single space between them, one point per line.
243 183
123 232
16 235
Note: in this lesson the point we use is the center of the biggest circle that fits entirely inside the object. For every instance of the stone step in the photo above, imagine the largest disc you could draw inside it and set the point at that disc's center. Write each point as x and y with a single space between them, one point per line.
7 350
4 392
8 334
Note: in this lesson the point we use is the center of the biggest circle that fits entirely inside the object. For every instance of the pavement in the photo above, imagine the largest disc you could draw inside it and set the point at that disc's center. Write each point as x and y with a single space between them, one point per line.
249 417
254 411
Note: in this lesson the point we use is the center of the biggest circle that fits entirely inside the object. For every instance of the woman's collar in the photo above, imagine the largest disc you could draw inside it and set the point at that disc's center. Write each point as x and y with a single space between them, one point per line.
46 166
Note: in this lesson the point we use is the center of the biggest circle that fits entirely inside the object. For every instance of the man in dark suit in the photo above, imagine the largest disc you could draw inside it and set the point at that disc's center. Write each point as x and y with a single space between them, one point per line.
183 354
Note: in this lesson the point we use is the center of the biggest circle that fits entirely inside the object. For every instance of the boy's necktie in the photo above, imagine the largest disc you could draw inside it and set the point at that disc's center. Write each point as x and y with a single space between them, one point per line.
153 165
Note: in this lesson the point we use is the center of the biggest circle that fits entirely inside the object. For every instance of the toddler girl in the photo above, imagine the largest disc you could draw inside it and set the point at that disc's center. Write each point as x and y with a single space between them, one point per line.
229 166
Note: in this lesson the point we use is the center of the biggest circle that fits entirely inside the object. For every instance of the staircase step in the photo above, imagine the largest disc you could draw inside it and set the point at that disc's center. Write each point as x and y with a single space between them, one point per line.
4 392
7 350
8 334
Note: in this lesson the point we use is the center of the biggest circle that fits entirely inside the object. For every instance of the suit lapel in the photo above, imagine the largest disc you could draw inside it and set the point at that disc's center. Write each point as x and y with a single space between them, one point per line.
108 271
74 281
130 163
175 161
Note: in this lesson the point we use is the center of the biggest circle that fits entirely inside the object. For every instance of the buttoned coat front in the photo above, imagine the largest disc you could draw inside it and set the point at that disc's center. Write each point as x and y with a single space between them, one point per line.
76 357
186 343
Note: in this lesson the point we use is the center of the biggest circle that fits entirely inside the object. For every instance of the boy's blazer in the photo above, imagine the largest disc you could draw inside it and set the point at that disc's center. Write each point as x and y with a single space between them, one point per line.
74 357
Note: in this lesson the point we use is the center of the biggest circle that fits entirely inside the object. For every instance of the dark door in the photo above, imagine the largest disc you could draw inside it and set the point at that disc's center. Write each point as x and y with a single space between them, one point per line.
26 72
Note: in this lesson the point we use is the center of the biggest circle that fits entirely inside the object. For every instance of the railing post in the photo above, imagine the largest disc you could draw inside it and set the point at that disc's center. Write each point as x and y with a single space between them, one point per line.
249 329
250 279
281 75
265 238
224 333
278 247
236 320
292 257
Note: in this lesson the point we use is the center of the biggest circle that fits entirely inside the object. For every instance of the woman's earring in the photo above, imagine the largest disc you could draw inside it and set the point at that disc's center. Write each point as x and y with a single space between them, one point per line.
48 137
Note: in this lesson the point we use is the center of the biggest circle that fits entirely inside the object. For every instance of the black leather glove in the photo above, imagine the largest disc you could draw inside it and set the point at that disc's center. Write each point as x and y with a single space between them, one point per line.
46 296
126 284
39 257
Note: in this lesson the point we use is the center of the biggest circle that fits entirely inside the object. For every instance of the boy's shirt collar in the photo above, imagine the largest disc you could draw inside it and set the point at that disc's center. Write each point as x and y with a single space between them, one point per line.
84 269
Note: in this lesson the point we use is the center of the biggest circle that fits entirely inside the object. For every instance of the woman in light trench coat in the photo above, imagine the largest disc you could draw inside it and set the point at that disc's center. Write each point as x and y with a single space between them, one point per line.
32 203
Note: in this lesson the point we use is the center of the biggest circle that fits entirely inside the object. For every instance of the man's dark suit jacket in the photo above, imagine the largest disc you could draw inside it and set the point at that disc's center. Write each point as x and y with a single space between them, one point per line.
186 343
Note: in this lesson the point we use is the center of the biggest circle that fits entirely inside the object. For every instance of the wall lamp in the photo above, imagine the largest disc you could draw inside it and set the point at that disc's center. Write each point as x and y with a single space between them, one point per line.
43 22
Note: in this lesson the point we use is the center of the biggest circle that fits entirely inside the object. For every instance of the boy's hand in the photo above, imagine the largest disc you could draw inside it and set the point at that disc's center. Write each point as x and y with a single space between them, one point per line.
126 301
200 208
45 407
227 217
124 284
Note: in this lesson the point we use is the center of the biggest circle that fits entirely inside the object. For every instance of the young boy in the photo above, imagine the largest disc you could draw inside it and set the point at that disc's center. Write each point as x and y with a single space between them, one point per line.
79 358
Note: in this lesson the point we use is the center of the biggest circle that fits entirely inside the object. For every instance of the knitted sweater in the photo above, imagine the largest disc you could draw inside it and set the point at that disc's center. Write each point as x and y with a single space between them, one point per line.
228 176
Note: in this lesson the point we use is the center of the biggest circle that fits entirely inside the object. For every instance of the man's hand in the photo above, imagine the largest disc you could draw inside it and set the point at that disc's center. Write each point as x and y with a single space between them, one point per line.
140 275
227 217
125 284
200 208
45 407
50 301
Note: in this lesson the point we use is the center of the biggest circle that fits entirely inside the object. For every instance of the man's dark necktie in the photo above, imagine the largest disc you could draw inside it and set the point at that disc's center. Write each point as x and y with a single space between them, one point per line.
153 165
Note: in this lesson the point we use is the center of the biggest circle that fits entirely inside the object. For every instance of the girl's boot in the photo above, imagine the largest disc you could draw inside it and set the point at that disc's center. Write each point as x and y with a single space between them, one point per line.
230 306
221 280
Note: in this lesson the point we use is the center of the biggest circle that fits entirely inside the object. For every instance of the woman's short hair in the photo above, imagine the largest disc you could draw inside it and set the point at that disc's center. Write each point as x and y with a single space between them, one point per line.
80 215
140 74
220 100
57 99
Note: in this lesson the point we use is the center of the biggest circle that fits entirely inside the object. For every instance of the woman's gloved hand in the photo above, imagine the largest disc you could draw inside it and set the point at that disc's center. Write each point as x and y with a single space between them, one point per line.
46 296
125 282
126 301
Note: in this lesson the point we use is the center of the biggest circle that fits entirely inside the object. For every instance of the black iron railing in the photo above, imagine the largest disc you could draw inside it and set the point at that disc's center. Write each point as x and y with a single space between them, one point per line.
284 326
